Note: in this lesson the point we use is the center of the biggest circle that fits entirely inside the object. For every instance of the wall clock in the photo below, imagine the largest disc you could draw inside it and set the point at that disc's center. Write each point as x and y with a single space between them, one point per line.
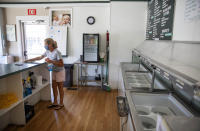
91 20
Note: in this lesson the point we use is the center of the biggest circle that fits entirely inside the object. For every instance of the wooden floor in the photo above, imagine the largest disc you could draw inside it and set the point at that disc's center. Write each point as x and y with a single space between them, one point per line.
88 109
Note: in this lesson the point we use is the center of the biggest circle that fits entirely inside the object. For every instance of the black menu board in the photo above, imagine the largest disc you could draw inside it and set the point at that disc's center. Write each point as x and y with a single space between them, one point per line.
160 20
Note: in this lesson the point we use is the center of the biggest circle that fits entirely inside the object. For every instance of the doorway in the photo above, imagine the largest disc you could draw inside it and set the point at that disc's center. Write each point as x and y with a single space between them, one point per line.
34 33
31 32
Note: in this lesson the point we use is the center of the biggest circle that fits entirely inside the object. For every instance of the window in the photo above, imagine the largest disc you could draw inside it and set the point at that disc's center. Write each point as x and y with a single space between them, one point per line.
34 35
1 43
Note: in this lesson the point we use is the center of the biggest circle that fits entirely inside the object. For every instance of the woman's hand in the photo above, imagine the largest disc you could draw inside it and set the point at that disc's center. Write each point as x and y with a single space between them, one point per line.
34 59
26 61
48 60
56 63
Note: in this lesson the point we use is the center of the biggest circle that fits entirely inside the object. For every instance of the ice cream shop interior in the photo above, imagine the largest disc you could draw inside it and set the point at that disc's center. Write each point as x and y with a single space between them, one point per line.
99 65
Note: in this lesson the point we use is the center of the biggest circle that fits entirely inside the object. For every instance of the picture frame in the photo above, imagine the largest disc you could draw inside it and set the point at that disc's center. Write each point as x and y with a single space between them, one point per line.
61 17
11 33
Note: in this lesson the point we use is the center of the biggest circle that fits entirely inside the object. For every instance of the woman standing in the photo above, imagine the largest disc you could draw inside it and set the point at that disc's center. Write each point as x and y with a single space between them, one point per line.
53 56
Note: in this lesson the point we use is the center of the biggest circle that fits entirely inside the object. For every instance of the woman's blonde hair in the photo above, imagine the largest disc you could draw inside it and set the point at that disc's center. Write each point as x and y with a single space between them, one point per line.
51 41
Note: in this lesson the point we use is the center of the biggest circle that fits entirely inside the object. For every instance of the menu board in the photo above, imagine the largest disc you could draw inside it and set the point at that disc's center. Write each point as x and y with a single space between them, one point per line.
160 20
91 47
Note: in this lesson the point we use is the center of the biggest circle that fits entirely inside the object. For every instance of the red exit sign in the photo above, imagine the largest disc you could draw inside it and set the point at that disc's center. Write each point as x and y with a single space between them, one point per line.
31 11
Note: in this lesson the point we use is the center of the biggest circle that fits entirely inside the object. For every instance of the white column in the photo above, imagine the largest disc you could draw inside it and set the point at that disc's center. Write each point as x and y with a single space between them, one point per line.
2 34
128 24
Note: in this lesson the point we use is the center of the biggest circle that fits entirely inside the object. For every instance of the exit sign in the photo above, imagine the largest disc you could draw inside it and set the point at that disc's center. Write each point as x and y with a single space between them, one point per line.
31 11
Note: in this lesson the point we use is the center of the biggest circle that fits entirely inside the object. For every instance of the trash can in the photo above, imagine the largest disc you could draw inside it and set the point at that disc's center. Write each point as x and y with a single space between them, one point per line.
68 75
29 111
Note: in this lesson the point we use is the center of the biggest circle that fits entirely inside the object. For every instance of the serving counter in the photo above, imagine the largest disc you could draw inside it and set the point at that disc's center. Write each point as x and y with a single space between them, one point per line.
153 108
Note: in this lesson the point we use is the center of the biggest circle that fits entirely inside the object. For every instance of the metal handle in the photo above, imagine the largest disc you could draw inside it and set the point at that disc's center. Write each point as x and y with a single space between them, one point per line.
25 53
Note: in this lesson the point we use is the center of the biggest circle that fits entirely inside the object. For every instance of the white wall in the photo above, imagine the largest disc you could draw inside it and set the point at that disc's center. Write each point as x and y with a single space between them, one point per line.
1 31
101 12
80 26
177 54
128 25
180 56
184 29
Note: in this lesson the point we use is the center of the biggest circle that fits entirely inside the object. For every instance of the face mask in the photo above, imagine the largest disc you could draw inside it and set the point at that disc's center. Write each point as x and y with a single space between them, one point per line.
46 47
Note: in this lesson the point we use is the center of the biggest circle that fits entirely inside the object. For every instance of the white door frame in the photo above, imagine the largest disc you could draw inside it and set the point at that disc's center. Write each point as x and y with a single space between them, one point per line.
20 41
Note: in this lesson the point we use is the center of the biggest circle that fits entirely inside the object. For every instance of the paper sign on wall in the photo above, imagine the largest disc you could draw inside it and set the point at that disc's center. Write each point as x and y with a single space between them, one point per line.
59 34
10 33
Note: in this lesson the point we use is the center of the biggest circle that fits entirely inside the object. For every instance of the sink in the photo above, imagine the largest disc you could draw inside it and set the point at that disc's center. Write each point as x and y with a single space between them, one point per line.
136 74
148 115
138 80
133 67
148 123
139 85
163 111
141 81
143 110
146 108
163 104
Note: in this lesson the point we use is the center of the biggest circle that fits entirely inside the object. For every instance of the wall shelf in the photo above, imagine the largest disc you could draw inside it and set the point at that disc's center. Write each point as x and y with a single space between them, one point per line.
11 82
3 111
34 91
88 78
37 89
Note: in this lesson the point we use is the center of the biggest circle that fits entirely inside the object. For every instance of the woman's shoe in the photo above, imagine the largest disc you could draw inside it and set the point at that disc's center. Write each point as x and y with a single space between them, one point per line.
52 105
58 107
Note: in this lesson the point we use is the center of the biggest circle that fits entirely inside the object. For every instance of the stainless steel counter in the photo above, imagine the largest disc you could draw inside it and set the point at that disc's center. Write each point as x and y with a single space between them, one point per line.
157 103
176 123
128 68
154 103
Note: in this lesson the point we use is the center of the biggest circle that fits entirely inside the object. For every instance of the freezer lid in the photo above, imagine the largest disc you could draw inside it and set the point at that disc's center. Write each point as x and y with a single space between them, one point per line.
176 123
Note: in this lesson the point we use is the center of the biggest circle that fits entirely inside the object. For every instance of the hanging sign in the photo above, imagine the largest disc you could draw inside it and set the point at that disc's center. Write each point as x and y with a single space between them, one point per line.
31 11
